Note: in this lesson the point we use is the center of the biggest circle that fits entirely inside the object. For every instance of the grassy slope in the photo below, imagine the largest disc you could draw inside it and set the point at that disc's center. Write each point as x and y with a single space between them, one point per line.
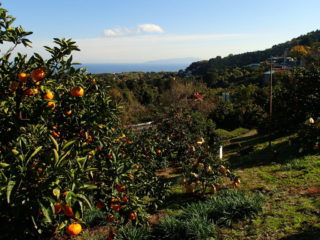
291 184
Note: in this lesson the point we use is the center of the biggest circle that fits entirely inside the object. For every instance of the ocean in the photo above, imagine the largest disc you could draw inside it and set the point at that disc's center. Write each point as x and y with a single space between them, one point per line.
139 67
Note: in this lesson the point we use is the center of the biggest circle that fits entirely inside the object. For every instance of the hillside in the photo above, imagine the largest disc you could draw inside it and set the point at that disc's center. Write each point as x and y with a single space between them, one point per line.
243 59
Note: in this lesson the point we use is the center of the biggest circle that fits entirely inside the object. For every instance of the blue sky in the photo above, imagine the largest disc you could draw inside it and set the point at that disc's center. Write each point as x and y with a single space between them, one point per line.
131 31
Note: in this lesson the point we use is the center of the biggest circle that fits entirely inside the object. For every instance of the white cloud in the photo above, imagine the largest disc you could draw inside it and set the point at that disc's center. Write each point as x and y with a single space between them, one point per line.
142 28
150 28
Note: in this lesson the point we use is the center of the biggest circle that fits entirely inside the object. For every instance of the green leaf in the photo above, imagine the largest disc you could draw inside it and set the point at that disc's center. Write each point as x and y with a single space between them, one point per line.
84 198
62 225
10 186
34 153
65 146
46 214
56 157
35 224
88 186
69 197
54 142
2 164
63 157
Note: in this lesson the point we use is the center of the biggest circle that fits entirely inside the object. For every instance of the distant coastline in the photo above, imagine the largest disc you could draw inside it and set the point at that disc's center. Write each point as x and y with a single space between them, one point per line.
134 67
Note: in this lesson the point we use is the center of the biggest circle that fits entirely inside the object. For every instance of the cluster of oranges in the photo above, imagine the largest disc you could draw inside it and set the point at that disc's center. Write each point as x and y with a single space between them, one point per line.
34 80
73 228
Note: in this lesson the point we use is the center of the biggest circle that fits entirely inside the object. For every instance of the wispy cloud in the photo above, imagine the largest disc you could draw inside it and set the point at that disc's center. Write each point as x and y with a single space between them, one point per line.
140 29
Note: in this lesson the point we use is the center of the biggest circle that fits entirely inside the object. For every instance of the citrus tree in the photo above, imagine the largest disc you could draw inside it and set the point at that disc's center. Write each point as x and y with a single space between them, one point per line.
61 148
185 140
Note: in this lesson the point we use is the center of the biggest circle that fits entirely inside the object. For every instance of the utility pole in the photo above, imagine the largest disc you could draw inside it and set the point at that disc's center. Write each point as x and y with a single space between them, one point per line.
270 103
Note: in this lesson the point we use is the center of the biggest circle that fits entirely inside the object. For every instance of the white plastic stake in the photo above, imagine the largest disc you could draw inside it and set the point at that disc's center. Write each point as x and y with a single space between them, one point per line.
221 152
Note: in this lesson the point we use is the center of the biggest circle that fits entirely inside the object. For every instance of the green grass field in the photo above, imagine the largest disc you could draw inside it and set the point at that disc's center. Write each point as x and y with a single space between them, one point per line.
291 184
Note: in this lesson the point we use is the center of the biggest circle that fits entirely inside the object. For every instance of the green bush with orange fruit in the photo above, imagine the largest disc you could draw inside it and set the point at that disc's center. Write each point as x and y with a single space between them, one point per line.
61 147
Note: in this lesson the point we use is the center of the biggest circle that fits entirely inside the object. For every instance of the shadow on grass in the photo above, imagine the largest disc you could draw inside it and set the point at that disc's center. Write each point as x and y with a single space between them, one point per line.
278 153
312 233
242 144
176 201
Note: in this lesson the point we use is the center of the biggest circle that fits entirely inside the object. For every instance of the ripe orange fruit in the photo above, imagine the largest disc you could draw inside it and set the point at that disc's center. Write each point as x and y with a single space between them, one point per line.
125 199
223 170
57 207
99 205
51 105
55 134
115 207
68 211
38 74
121 188
132 216
49 95
23 77
68 113
74 229
89 139
14 86
158 151
77 91
137 166
111 218
30 92
38 83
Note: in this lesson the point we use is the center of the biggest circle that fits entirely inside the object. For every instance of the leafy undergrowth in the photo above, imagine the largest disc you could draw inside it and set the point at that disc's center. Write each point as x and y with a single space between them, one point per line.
291 183
198 220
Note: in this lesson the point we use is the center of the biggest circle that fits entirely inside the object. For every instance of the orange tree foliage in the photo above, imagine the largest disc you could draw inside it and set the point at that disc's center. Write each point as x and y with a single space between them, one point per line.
61 148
